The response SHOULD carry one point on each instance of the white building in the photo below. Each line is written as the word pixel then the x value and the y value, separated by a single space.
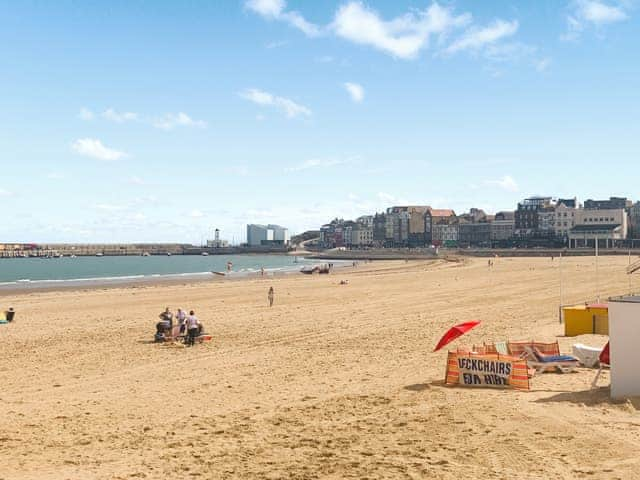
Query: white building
pixel 280 234
pixel 564 217
pixel 264 235
pixel 609 227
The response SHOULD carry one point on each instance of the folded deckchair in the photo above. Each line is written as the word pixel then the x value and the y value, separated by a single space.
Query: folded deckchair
pixel 501 348
pixel 604 362
pixel 562 363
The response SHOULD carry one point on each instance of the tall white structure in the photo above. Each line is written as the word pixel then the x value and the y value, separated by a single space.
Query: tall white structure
pixel 624 336
pixel 280 234
pixel 264 235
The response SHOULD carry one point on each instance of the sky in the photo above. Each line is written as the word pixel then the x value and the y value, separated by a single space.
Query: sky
pixel 158 121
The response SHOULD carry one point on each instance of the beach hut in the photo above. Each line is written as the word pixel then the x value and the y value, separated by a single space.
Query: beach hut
pixel 624 345
pixel 586 318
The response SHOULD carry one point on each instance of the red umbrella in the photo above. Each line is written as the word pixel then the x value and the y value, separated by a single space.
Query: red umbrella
pixel 455 332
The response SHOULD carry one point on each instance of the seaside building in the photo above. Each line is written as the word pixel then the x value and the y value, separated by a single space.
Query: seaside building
pixel 216 242
pixel 613 203
pixel 416 236
pixel 361 235
pixel 564 217
pixel 474 228
pixel 266 235
pixel 634 221
pixel 445 233
pixel 379 229
pixel 435 216
pixel 366 220
pixel 606 226
pixel 398 222
pixel 502 228
pixel 527 219
pixel 474 234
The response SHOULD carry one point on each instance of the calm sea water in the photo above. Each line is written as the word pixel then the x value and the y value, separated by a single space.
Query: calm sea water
pixel 30 271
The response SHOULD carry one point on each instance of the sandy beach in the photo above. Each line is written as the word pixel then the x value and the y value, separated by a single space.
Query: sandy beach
pixel 335 381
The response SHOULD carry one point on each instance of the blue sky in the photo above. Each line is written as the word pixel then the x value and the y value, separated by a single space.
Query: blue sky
pixel 160 120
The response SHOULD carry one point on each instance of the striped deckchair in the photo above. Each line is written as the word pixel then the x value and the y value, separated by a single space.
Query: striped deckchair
pixel 542 363
pixel 517 349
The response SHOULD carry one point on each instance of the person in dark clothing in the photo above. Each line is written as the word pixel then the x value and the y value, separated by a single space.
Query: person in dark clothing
pixel 9 314
pixel 192 328
pixel 167 318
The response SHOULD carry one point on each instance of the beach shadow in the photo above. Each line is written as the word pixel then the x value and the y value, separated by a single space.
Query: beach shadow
pixel 592 397
pixel 146 342
pixel 417 387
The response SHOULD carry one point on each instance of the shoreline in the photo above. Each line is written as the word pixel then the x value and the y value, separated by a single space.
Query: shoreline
pixel 90 284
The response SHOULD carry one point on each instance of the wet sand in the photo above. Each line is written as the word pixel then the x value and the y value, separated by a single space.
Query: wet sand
pixel 335 381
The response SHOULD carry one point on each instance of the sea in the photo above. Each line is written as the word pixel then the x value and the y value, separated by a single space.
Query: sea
pixel 36 273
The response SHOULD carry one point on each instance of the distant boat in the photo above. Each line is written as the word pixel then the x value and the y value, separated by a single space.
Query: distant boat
pixel 146 254
pixel 99 254
pixel 168 254
pixel 73 256
pixel 204 254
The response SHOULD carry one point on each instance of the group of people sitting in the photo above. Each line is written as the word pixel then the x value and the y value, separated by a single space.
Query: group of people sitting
pixel 186 327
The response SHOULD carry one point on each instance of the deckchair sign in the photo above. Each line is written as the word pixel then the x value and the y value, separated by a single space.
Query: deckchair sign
pixel 487 370
pixel 484 373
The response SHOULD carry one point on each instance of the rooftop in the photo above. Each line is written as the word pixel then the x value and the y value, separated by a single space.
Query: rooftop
pixel 626 299
pixel 604 227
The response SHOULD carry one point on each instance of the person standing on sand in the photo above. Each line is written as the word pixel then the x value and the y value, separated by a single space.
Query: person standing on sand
pixel 193 327
pixel 181 316
pixel 270 296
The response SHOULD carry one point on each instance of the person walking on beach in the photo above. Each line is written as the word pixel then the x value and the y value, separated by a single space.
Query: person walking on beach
pixel 193 327
pixel 270 296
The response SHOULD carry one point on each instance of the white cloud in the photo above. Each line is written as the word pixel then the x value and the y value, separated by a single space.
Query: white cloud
pixel 119 117
pixel 389 200
pixel 594 13
pixel 196 214
pixel 275 10
pixel 325 59
pixel 276 44
pixel 542 64
pixel 355 91
pixel 86 114
pixel 134 180
pixel 172 120
pixel 599 12
pixel 266 8
pixel 403 36
pixel 288 106
pixel 55 176
pixel 91 147
pixel 5 193
pixel 108 207
pixel 475 39
pixel 239 170
pixel 505 183
pixel 317 163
